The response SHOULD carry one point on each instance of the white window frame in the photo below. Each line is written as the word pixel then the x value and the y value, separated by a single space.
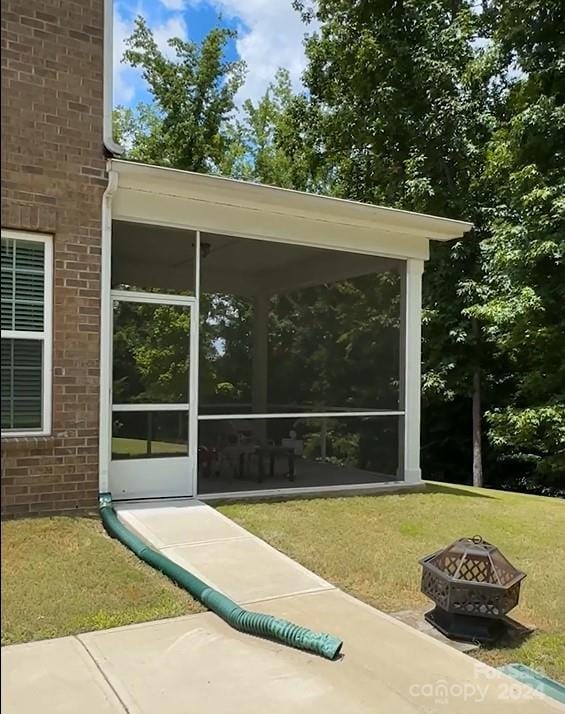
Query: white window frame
pixel 45 336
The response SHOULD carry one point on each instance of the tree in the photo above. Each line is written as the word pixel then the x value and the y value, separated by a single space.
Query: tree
pixel 400 110
pixel 193 100
pixel 259 150
pixel 524 276
pixel 139 132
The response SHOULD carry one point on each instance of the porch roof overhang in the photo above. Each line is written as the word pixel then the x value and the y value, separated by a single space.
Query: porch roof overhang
pixel 186 200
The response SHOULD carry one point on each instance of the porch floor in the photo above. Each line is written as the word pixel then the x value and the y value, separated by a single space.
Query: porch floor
pixel 308 474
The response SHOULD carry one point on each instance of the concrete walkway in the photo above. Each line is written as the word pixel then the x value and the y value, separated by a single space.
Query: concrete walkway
pixel 219 551
pixel 197 663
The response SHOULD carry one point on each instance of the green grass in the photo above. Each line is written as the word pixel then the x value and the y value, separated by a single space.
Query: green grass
pixel 370 546
pixel 61 576
pixel 121 446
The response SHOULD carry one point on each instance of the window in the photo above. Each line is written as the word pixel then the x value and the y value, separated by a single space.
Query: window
pixel 26 333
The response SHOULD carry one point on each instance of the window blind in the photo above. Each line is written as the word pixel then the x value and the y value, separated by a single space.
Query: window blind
pixel 23 297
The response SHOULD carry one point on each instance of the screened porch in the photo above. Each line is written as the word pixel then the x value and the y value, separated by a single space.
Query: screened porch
pixel 271 362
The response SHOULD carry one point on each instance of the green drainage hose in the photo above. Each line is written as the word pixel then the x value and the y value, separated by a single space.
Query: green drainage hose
pixel 253 623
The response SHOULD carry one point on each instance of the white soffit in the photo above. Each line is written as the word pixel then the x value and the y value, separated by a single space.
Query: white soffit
pixel 167 196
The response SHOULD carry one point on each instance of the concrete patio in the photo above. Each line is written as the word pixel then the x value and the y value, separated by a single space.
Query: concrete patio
pixel 198 663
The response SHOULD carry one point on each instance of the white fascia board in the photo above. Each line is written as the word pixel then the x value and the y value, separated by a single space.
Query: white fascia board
pixel 216 191
pixel 260 223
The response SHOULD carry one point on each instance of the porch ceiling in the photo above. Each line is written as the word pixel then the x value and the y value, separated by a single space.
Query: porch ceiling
pixel 164 257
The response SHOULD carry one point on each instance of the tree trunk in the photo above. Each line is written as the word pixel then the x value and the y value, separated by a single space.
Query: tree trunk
pixel 477 438
pixel 477 441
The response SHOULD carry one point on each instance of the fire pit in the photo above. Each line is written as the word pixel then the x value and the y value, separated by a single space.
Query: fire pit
pixel 473 586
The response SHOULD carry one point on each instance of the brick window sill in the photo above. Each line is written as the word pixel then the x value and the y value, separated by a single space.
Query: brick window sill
pixel 23 443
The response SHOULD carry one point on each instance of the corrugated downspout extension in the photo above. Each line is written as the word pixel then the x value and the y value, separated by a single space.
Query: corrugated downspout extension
pixel 253 623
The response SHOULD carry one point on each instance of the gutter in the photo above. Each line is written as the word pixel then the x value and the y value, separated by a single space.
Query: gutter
pixel 108 83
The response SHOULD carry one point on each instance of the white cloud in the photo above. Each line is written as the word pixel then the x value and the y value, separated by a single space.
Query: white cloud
pixel 272 37
pixel 173 4
pixel 124 76
pixel 177 5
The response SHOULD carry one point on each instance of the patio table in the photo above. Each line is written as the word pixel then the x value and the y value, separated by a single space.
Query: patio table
pixel 260 452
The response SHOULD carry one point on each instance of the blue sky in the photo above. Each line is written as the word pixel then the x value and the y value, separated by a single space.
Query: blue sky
pixel 270 35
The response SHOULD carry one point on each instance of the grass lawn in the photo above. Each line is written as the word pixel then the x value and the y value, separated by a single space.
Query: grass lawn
pixel 369 546
pixel 121 445
pixel 62 575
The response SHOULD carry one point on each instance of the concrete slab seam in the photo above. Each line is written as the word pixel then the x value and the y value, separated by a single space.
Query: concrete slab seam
pixel 103 674
pixel 207 541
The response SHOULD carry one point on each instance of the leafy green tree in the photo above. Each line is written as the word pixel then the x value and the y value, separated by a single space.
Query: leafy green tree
pixel 400 109
pixel 259 150
pixel 150 353
pixel 524 277
pixel 193 99
pixel 260 159
pixel 139 132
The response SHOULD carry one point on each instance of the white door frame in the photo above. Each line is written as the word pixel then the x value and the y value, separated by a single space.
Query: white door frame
pixel 145 472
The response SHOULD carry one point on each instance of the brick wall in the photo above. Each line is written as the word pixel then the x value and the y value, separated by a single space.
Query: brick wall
pixel 53 180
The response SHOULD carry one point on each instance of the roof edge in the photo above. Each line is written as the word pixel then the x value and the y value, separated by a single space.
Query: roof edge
pixel 161 179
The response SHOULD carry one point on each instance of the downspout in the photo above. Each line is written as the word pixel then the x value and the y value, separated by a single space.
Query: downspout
pixel 107 128
pixel 105 421
pixel 253 623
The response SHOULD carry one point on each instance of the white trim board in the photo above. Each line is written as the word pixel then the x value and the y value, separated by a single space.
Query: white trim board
pixel 151 407
pixel 153 298
pixel 189 213
pixel 298 415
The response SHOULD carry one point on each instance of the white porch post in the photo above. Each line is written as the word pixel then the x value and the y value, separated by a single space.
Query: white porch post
pixel 412 335
pixel 260 358
pixel 194 369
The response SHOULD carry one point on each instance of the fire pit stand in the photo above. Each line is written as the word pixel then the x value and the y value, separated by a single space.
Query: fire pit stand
pixel 474 586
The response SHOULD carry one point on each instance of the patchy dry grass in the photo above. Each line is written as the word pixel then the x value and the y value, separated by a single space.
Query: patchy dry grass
pixel 370 546
pixel 61 576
